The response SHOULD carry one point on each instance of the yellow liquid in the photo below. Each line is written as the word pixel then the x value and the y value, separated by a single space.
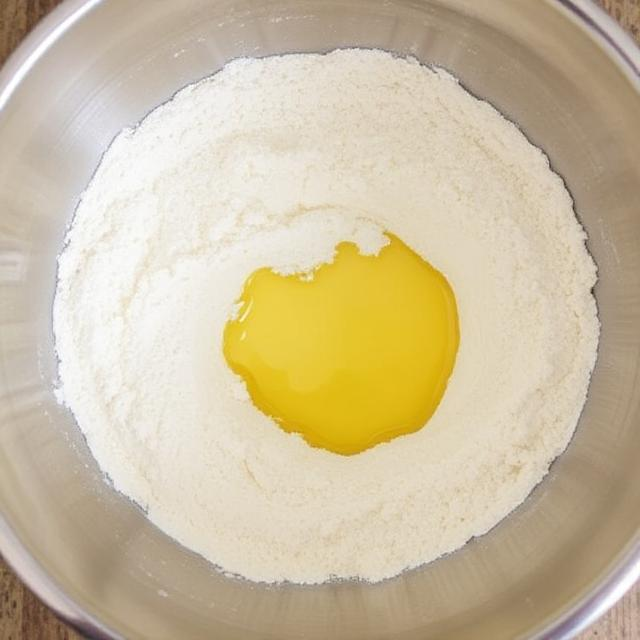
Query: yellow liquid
pixel 357 355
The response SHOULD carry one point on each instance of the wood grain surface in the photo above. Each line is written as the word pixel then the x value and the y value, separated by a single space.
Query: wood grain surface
pixel 22 616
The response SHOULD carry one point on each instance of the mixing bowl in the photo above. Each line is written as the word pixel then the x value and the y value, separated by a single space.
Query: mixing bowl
pixel 560 69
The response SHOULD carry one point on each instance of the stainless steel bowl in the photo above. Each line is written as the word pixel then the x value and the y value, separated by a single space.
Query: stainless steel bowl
pixel 560 69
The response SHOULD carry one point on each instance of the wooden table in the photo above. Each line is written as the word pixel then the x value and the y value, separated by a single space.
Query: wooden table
pixel 22 616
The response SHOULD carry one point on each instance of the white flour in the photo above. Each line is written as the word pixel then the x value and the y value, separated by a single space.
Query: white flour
pixel 272 162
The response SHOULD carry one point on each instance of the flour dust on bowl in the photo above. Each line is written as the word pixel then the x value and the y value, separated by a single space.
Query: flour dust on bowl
pixel 562 71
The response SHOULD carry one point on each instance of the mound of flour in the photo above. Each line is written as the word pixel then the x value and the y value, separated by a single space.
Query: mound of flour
pixel 273 162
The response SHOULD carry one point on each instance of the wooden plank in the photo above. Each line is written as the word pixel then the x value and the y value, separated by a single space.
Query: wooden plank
pixel 17 18
pixel 22 616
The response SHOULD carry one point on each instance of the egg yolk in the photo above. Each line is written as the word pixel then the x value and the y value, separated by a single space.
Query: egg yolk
pixel 353 354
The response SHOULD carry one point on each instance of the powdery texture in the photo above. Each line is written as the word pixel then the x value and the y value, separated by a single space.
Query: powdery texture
pixel 272 162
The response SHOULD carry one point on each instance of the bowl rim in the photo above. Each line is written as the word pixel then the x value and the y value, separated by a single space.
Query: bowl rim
pixel 622 572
